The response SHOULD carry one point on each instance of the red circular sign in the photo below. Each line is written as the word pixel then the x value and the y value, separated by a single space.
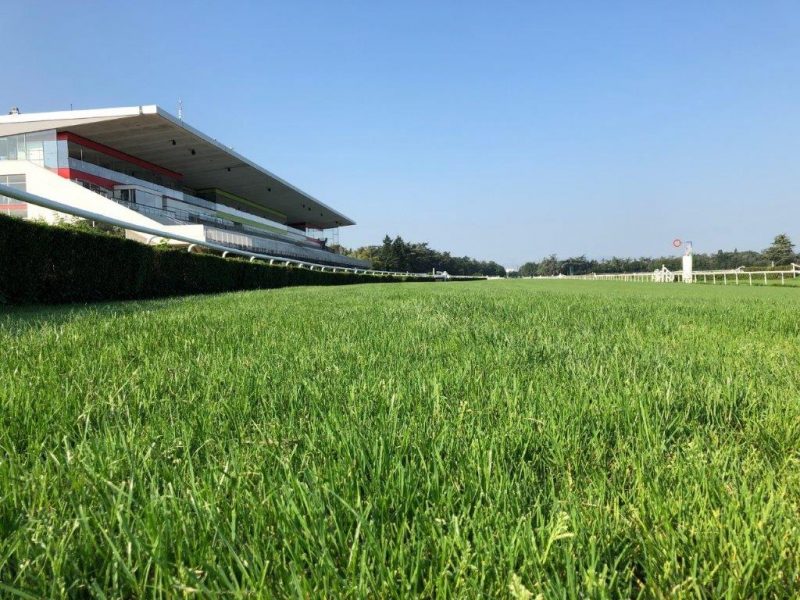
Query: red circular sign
pixel 677 243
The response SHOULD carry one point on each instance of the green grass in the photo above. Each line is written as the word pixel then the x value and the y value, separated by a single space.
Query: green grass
pixel 569 439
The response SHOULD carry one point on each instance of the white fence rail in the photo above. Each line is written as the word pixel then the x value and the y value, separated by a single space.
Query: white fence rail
pixel 734 276
pixel 721 276
pixel 225 250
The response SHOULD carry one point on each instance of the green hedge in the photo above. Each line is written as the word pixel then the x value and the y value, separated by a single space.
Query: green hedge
pixel 45 264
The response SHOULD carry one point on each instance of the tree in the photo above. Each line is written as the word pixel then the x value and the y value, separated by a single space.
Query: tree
pixel 387 260
pixel 576 265
pixel 529 269
pixel 549 266
pixel 398 255
pixel 782 250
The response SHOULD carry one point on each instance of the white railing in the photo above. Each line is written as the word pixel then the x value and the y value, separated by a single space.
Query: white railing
pixel 157 232
pixel 602 277
pixel 736 276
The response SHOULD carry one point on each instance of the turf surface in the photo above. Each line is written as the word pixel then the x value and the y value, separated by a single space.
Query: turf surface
pixel 568 439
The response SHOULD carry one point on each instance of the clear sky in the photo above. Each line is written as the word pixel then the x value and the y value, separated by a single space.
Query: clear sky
pixel 502 130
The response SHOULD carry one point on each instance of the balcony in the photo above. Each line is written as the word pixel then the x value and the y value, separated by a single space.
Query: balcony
pixel 245 238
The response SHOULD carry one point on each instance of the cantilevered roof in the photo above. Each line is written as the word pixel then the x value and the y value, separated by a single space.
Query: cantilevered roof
pixel 152 134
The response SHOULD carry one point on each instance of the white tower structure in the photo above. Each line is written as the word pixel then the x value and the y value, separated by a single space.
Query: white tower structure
pixel 687 264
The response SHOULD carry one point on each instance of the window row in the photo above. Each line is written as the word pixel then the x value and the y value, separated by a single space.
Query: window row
pixel 38 147
pixel 12 206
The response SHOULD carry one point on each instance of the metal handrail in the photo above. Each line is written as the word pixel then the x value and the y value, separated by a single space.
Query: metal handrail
pixel 182 217
pixel 226 250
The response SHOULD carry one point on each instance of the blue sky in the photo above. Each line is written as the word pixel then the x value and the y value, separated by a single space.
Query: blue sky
pixel 502 130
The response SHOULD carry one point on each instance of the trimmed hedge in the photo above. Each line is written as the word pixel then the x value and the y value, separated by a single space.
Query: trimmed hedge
pixel 45 264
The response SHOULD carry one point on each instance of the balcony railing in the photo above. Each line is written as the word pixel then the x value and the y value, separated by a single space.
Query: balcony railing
pixel 242 236
pixel 282 248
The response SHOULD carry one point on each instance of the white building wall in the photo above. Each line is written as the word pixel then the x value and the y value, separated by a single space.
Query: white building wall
pixel 158 196
pixel 43 182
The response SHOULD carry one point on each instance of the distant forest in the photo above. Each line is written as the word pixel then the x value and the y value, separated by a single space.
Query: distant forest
pixel 417 257
pixel 399 255
pixel 780 253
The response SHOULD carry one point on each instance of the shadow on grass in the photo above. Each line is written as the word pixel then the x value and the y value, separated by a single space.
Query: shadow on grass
pixel 17 318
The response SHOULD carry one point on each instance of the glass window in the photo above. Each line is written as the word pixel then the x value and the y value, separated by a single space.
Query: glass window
pixel 12 147
pixel 12 206
pixel 36 153
pixel 20 146
pixel 41 136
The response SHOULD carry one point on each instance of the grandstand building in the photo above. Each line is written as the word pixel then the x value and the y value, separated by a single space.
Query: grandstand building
pixel 144 166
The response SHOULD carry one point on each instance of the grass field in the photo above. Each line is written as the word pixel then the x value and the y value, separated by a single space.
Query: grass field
pixel 569 439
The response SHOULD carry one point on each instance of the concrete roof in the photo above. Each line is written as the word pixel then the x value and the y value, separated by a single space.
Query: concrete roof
pixel 147 132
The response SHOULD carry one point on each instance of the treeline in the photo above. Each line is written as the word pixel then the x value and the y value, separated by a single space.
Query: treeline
pixel 781 252
pixel 398 255
pixel 417 257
